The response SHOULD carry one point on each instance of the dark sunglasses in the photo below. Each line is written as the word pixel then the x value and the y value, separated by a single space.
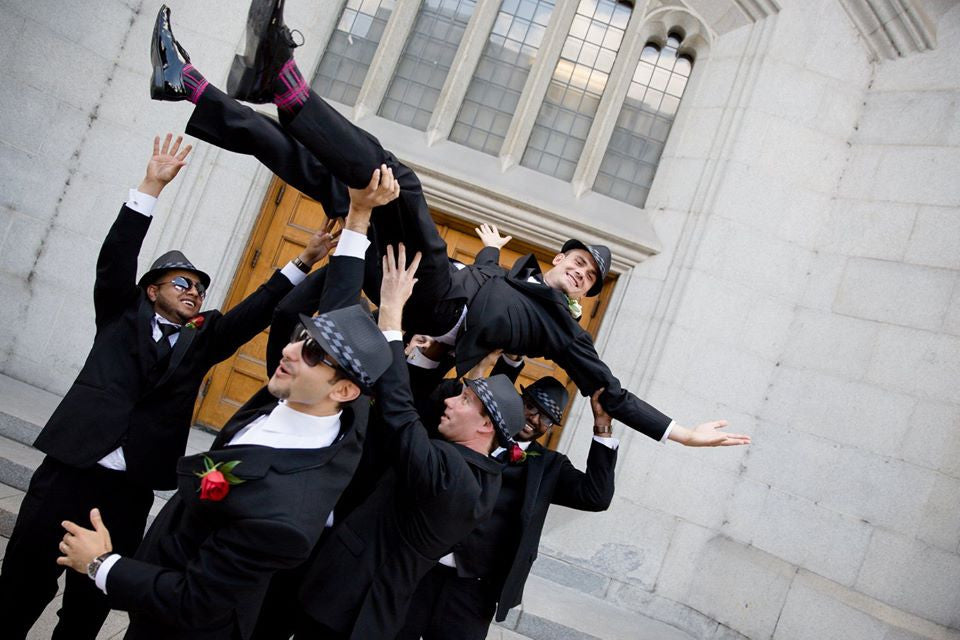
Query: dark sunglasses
pixel 182 283
pixel 545 420
pixel 312 353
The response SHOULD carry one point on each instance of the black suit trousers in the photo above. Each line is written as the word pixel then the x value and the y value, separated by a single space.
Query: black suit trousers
pixel 321 153
pixel 28 581
pixel 448 607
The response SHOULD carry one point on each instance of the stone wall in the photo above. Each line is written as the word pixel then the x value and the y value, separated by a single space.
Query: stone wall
pixel 808 293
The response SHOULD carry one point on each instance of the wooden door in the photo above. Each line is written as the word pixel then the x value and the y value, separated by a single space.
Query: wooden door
pixel 286 221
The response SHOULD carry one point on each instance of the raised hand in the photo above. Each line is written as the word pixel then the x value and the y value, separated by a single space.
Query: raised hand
pixel 164 165
pixel 707 434
pixel 490 236
pixel 321 243
pixel 81 546
pixel 602 422
pixel 396 287
pixel 381 189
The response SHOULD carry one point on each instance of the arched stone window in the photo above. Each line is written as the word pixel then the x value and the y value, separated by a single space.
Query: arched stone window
pixel 347 56
pixel 425 61
pixel 578 81
pixel 630 162
pixel 501 73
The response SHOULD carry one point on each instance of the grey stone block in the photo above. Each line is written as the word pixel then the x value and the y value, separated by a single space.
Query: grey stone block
pixel 936 238
pixel 812 615
pixel 912 576
pixel 919 362
pixel 901 294
pixel 538 628
pixel 570 575
pixel 750 604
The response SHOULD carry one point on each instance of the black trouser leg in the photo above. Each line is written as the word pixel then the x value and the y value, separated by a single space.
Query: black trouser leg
pixel 351 154
pixel 28 581
pixel 228 124
pixel 448 607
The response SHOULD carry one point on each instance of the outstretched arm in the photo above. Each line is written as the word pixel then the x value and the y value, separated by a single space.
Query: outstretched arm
pixel 589 372
pixel 235 561
pixel 116 283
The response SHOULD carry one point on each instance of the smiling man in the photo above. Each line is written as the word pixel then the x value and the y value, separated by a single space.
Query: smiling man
pixel 481 308
pixel 283 460
pixel 486 571
pixel 117 433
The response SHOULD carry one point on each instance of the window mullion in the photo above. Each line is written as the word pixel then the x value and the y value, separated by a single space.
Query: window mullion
pixel 461 71
pixel 528 107
pixel 613 96
pixel 386 58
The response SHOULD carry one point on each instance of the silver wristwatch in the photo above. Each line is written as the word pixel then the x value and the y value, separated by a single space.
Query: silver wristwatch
pixel 94 565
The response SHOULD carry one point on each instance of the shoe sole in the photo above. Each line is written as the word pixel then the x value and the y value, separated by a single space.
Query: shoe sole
pixel 242 80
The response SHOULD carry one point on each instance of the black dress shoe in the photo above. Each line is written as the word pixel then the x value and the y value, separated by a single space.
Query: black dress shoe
pixel 269 45
pixel 168 59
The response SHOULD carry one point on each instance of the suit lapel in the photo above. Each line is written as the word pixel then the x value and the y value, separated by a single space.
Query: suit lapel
pixel 187 334
pixel 239 420
pixel 146 345
pixel 535 467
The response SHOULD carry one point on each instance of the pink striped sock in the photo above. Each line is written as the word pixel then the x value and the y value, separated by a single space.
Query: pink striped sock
pixel 290 89
pixel 195 83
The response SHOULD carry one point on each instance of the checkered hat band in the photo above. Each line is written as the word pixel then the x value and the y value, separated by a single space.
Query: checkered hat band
pixel 342 351
pixel 177 265
pixel 600 263
pixel 482 389
pixel 545 401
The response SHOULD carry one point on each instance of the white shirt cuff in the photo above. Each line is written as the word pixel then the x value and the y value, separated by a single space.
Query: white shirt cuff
pixel 610 443
pixel 393 335
pixel 293 273
pixel 105 566
pixel 141 202
pixel 512 362
pixel 352 244
pixel 417 359
pixel 666 434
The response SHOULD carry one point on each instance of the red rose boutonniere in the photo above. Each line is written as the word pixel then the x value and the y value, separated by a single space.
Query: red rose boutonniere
pixel 216 479
pixel 195 322
pixel 517 455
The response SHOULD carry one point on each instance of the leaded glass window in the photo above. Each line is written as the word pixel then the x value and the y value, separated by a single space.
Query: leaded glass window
pixel 502 71
pixel 578 81
pixel 425 61
pixel 630 162
pixel 347 57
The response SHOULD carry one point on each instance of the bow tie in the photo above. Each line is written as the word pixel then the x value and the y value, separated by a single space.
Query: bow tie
pixel 167 330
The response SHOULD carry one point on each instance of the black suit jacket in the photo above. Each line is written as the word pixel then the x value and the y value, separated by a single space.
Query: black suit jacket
pixel 125 395
pixel 435 493
pixel 204 567
pixel 507 311
pixel 550 479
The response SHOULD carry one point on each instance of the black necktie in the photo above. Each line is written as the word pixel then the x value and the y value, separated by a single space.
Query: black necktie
pixel 163 344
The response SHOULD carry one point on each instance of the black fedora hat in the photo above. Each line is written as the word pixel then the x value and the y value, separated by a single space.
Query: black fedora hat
pixel 172 260
pixel 351 337
pixel 601 256
pixel 503 405
pixel 549 396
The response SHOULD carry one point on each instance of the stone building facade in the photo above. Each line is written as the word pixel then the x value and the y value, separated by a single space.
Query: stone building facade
pixel 787 257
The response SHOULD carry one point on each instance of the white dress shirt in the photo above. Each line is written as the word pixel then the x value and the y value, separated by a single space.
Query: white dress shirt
pixel 282 428
pixel 144 204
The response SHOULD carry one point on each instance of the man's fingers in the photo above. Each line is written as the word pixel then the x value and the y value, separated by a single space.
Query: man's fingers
pixel 63 561
pixel 374 180
pixel 71 527
pixel 414 263
pixel 401 257
pixel 720 424
pixel 96 520
pixel 166 143
pixel 507 239
pixel 186 151
pixel 156 145
pixel 176 145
